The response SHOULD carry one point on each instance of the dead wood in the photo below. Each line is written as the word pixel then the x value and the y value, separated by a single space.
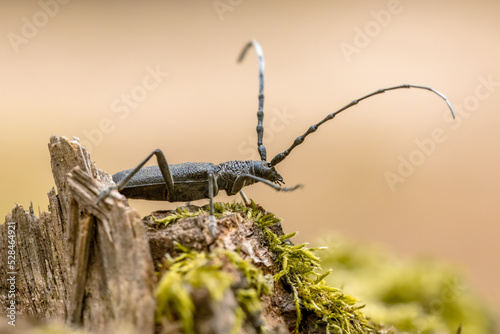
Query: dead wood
pixel 84 264
pixel 236 233
pixel 93 266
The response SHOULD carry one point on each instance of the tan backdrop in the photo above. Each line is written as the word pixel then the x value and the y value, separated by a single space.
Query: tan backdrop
pixel 129 77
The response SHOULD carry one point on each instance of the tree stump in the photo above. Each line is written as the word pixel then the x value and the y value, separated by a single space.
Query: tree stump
pixel 80 263
pixel 98 266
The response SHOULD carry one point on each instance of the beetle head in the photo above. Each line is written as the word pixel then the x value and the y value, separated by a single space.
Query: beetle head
pixel 267 171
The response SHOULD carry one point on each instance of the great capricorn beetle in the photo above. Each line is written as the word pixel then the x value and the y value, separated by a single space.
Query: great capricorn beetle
pixel 197 180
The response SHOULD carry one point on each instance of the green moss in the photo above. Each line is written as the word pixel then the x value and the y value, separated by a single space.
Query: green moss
pixel 415 296
pixel 179 213
pixel 299 268
pixel 192 270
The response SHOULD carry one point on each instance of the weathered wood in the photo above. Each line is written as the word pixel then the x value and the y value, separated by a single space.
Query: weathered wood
pixel 93 266
pixel 81 263
pixel 120 276
pixel 236 233
pixel 40 272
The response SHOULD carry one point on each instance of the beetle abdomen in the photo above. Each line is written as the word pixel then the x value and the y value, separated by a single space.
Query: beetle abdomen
pixel 190 182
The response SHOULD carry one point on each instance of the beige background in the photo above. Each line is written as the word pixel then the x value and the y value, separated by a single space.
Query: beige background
pixel 65 77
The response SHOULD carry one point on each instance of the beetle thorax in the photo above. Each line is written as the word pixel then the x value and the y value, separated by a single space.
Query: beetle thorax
pixel 227 172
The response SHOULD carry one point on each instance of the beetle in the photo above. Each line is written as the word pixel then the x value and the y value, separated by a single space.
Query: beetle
pixel 199 180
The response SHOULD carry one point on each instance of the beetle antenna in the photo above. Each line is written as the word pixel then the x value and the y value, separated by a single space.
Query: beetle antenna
pixel 281 156
pixel 260 113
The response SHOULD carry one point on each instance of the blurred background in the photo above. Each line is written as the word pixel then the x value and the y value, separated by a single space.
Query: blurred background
pixel 129 77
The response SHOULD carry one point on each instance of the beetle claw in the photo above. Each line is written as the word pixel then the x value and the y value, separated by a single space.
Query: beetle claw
pixel 212 226
pixel 105 193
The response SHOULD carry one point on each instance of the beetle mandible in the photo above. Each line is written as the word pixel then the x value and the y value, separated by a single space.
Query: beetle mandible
pixel 198 180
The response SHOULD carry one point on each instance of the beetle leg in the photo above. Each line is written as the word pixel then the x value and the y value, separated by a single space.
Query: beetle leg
pixel 212 225
pixel 164 169
pixel 245 198
pixel 269 183
pixel 240 182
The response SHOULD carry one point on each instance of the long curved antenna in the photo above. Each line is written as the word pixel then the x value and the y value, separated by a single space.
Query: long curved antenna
pixel 260 113
pixel 281 156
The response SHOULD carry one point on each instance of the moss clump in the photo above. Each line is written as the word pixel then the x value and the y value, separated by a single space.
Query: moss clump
pixel 179 213
pixel 192 270
pixel 300 271
pixel 415 296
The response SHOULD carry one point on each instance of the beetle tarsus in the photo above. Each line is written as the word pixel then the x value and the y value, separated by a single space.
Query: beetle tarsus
pixel 212 226
pixel 105 193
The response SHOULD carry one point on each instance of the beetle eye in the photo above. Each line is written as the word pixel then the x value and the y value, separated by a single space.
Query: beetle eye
pixel 269 165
